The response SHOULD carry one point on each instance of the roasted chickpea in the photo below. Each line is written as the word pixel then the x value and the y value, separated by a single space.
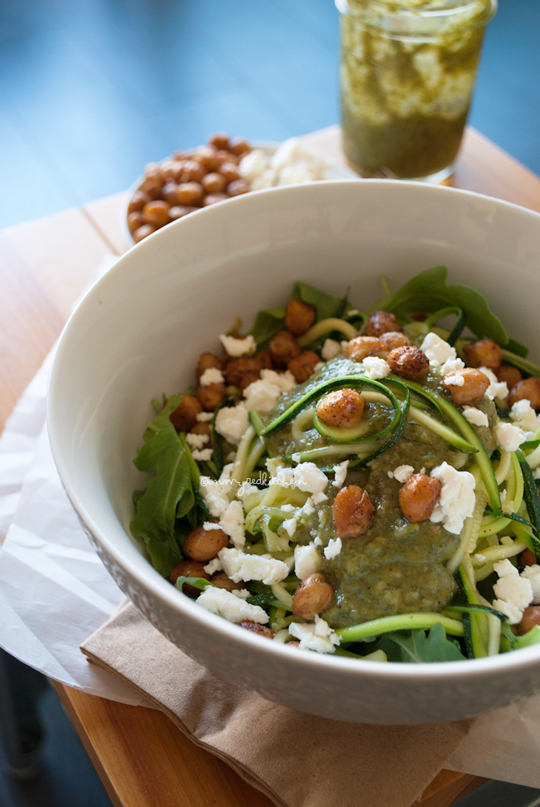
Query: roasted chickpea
pixel 239 146
pixel 220 140
pixel 170 192
pixel 408 362
pixel 156 213
pixel 153 171
pixel 208 361
pixel 527 558
pixel 342 408
pixel 284 347
pixel 475 384
pixel 135 220
pixel 303 366
pixel 168 169
pixel 207 157
pixel 237 187
pixel 189 193
pixel 380 322
pixel 393 339
pixel 184 416
pixel 418 497
pixel 510 375
pixel 152 186
pixel 143 232
pixel 254 627
pixel 203 428
pixel 192 171
pixel 214 183
pixel 179 211
pixel 312 596
pixel 237 369
pixel 138 201
pixel 214 198
pixel 178 171
pixel 361 346
pixel 189 568
pixel 229 172
pixel 353 512
pixel 484 353
pixel 211 396
pixel 222 581
pixel 299 317
pixel 204 544
pixel 528 389
pixel 264 360
pixel 180 155
pixel 530 618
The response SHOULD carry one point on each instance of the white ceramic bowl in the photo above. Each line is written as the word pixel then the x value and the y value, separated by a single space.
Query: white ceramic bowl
pixel 139 332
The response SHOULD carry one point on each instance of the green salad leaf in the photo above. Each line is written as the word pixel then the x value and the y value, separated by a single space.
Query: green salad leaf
pixel 169 492
pixel 416 647
pixel 428 291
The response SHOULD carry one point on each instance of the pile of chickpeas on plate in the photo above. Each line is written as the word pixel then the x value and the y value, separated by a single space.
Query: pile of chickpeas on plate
pixel 187 182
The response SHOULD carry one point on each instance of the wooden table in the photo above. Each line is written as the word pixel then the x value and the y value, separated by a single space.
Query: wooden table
pixel 142 759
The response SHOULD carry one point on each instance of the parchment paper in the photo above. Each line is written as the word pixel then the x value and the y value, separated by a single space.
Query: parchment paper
pixel 54 592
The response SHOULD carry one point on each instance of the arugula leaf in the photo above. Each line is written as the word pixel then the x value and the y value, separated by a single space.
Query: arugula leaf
pixel 196 582
pixel 162 419
pixel 414 647
pixel 428 291
pixel 169 489
pixel 267 324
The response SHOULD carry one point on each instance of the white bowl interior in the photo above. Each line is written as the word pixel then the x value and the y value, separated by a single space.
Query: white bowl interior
pixel 140 329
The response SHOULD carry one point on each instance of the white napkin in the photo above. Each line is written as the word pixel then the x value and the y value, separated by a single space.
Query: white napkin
pixel 55 592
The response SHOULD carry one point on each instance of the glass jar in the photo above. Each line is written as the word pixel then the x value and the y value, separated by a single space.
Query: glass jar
pixel 408 69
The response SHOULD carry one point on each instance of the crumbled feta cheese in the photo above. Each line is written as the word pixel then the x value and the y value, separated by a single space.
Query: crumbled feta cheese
pixel 480 558
pixel 402 473
pixel 241 566
pixel 202 456
pixel 317 635
pixel 333 549
pixel 232 422
pixel 290 164
pixel 283 381
pixel 456 501
pixel 330 349
pixel 226 472
pixel 204 417
pixel 290 525
pixel 309 507
pixel 340 472
pixel 451 365
pixel 232 523
pixel 306 561
pixel 309 478
pixel 496 389
pixel 245 490
pixel 197 440
pixel 213 566
pixel 215 495
pixel 437 350
pixel 515 590
pixel 532 574
pixel 509 609
pixel 454 380
pixel 509 437
pixel 475 416
pixel 238 347
pixel 504 568
pixel 375 368
pixel 288 508
pixel 284 477
pixel 261 396
pixel 524 415
pixel 253 165
pixel 223 603
pixel 211 376
pixel 243 593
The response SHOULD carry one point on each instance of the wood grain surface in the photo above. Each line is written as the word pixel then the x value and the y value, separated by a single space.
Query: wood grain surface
pixel 141 757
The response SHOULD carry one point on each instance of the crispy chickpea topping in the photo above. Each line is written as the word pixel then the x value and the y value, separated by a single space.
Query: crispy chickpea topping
pixel 510 375
pixel 312 596
pixel 184 416
pixel 418 497
pixel 342 408
pixel 303 366
pixel 240 372
pixel 528 389
pixel 254 627
pixel 353 512
pixel 204 544
pixel 471 391
pixel 408 362
pixel 392 339
pixel 527 558
pixel 484 353
pixel 530 618
pixel 208 361
pixel 299 317
pixel 361 346
pixel 211 396
pixel 284 347
pixel 380 322
pixel 222 581
pixel 189 568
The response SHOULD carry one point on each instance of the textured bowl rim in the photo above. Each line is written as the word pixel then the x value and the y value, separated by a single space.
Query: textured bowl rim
pixel 149 579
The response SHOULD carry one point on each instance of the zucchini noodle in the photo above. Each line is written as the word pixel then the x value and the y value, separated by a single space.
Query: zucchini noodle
pixel 301 423
pixel 469 533
pixel 327 326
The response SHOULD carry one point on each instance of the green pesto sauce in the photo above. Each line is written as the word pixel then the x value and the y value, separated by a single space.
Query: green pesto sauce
pixel 396 567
